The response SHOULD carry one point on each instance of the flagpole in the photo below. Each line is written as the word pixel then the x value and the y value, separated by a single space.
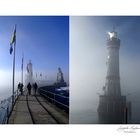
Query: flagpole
pixel 22 68
pixel 14 70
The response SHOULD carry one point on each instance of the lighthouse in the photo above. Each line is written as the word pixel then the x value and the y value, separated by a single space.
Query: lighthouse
pixel 29 75
pixel 112 85
pixel 60 79
pixel 112 105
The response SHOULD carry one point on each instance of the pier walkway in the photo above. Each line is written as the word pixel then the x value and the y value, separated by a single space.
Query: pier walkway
pixel 36 110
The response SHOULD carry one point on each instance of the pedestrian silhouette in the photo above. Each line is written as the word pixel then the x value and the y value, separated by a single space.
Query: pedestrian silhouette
pixel 35 87
pixel 29 88
pixel 18 87
pixel 21 88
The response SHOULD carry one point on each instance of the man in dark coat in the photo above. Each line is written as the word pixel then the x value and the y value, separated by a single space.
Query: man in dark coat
pixel 35 87
pixel 29 87
pixel 21 88
pixel 18 87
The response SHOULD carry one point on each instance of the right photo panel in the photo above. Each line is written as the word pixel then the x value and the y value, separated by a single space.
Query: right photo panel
pixel 104 70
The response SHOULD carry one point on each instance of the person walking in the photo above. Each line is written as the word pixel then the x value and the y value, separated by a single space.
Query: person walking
pixel 18 88
pixel 35 87
pixel 21 88
pixel 29 87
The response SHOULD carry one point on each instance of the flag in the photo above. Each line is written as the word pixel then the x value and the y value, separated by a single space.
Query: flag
pixel 13 41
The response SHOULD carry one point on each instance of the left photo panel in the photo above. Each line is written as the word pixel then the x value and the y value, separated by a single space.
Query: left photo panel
pixel 34 70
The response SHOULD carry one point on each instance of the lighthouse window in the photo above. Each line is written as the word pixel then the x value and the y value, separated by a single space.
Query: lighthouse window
pixel 108 57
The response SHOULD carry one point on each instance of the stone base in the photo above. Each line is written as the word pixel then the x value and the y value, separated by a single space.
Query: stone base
pixel 111 109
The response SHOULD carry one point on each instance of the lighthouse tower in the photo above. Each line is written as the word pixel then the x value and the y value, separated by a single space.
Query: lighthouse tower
pixel 112 86
pixel 29 76
pixel 112 104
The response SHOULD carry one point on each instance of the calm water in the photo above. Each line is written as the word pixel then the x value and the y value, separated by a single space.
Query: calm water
pixel 78 117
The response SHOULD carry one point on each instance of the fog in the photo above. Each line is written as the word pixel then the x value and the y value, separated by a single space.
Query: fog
pixel 88 55
pixel 47 78
pixel 6 83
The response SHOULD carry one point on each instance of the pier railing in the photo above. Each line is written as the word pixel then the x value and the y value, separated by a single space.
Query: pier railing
pixel 59 100
pixel 6 106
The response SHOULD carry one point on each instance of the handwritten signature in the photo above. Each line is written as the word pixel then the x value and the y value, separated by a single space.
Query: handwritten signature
pixel 128 129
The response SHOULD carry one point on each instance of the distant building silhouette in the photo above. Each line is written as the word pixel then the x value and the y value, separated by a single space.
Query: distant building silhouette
pixel 29 76
pixel 60 79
